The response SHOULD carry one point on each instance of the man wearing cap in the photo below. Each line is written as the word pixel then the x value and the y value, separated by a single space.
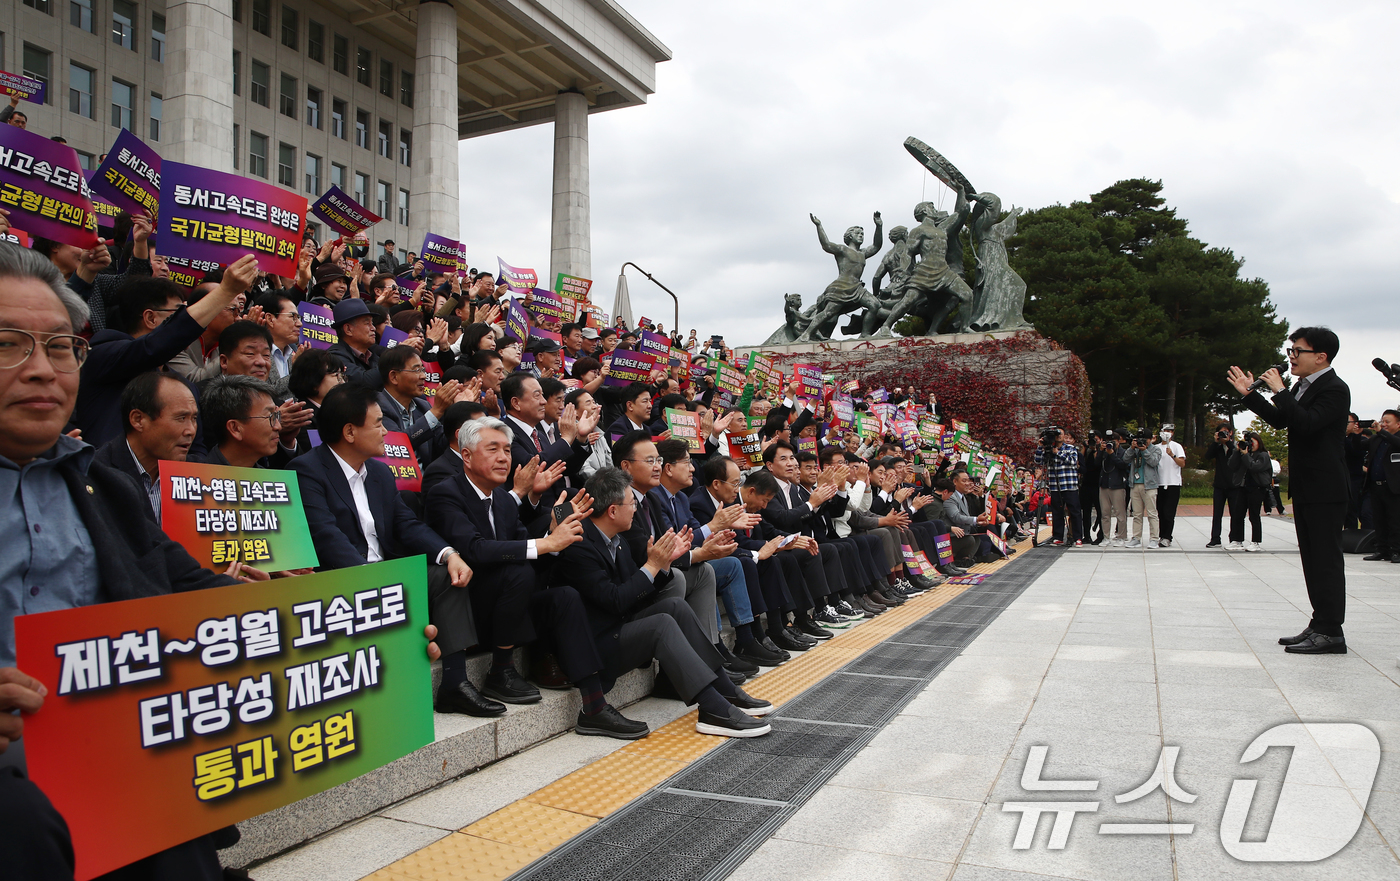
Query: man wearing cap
pixel 387 262
pixel 590 341
pixel 1169 483
pixel 330 283
pixel 546 352
pixel 356 348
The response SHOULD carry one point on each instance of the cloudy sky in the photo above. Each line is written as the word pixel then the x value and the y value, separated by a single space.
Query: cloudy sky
pixel 1272 126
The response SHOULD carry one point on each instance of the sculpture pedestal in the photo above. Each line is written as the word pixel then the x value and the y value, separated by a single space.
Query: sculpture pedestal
pixel 856 344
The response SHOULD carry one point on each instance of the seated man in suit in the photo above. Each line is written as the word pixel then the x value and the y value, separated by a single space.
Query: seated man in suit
pixel 524 403
pixel 160 414
pixel 631 627
pixel 891 496
pixel 962 521
pixel 449 464
pixel 636 412
pixel 356 517
pixel 857 521
pixel 407 410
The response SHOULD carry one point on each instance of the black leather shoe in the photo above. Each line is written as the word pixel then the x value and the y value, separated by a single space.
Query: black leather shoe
pixel 787 642
pixel 1395 558
pixel 733 662
pixel 735 676
pixel 736 724
pixel 767 642
pixel 869 606
pixel 749 704
pixel 546 672
pixel 755 653
pixel 1294 640
pixel 888 599
pixel 508 686
pixel 953 571
pixel 813 629
pixel 610 723
pixel 1319 644
pixel 801 637
pixel 465 699
pixel 1377 557
pixel 1214 543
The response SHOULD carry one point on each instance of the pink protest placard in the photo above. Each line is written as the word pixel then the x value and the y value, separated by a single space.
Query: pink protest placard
pixel 210 215
pixel 43 187
pixel 130 176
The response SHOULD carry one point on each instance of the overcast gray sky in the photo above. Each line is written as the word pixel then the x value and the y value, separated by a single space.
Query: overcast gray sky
pixel 1273 127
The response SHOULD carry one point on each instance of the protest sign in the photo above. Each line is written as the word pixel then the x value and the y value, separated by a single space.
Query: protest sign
pixel 169 717
pixel 520 281
pixel 685 425
pixel 187 273
pixel 399 456
pixel 27 88
pixel 571 287
pixel 130 176
pixel 549 311
pixel 210 215
pixel 342 214
pixel 222 514
pixel 15 237
pixel 746 450
pixel 316 326
pixel 432 375
pixel 729 381
pixel 869 425
pixel 391 336
pixel 843 410
pixel 622 368
pixel 805 444
pixel 930 429
pixel 809 378
pixel 880 395
pixel 517 324
pixel 43 188
pixel 657 345
pixel 105 211
pixel 908 433
pixel 441 254
pixel 944 545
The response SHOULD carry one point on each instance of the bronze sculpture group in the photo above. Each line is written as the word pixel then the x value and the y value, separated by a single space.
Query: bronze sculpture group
pixel 923 272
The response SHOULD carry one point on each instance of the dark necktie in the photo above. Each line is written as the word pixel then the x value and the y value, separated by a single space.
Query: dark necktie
pixel 676 511
pixel 651 520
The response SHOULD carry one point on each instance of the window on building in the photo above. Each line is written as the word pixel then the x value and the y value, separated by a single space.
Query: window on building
pixel 86 160
pixel 41 5
pixel 386 77
pixel 338 118
pixel 286 165
pixel 291 27
pixel 406 88
pixel 237 72
pixel 381 198
pixel 157 37
pixel 362 62
pixel 261 82
pixel 361 129
pixel 257 154
pixel 262 17
pixel 361 188
pixel 123 103
pixel 287 100
pixel 235 147
pixel 405 147
pixel 237 16
pixel 403 207
pixel 36 66
pixel 313 107
pixel 156 102
pixel 386 139
pixel 340 55
pixel 338 176
pixel 316 41
pixel 313 174
pixel 80 86
pixel 123 23
pixel 80 14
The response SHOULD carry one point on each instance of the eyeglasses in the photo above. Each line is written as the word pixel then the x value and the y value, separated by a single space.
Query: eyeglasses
pixel 420 370
pixel 736 483
pixel 296 316
pixel 65 352
pixel 649 460
pixel 274 418
pixel 1294 352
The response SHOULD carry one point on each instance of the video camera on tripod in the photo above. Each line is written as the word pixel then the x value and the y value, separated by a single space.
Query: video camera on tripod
pixel 1391 372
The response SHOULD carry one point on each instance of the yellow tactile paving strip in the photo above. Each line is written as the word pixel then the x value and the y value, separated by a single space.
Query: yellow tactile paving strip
pixel 502 843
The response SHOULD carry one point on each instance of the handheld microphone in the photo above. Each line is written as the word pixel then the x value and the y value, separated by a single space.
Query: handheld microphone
pixel 1259 385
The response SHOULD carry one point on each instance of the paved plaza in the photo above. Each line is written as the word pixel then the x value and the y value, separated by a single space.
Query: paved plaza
pixel 1094 666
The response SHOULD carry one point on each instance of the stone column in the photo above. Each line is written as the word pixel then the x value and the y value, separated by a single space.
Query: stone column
pixel 432 190
pixel 198 124
pixel 570 244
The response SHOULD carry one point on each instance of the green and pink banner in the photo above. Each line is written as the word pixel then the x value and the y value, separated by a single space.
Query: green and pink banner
pixel 27 88
pixel 169 717
pixel 129 178
pixel 210 215
pixel 43 188
pixel 222 514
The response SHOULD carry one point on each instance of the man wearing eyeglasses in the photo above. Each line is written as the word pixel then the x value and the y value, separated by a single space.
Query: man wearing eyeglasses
pixel 283 320
pixel 241 422
pixel 1315 414
pixel 407 410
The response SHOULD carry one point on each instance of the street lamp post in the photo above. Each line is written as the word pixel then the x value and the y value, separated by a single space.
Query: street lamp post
pixel 622 275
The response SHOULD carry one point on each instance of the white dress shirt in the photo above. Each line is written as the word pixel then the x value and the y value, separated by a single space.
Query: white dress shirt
pixel 356 479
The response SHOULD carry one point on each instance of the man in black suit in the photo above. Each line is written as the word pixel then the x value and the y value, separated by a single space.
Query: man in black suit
pixel 636 411
pixel 630 627
pixel 524 403
pixel 406 409
pixel 160 414
pixel 1382 472
pixel 1315 414
pixel 449 464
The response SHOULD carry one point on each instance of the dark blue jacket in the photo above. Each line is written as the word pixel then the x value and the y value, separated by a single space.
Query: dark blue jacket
pixel 428 440
pixel 455 511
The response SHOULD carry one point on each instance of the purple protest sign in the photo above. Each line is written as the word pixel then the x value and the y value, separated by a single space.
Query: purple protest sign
pixel 43 188
pixel 130 176
pixel 316 329
pixel 549 310
pixel 27 88
pixel 624 368
pixel 520 281
pixel 342 213
pixel 517 323
pixel 106 212
pixel 210 215
pixel 441 254
pixel 188 273
pixel 658 345
pixel 391 336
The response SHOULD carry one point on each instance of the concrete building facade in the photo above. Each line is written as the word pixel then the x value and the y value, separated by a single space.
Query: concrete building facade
pixel 368 95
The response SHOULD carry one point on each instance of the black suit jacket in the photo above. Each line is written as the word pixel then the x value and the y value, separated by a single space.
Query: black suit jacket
pixel 449 464
pixel 335 523
pixel 115 454
pixel 1317 427
pixel 458 514
pixel 428 440
pixel 522 450
pixel 1391 469
pixel 635 539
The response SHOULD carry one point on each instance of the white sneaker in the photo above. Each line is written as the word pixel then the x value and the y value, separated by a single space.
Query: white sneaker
pixel 1134 543
pixel 1116 543
pixel 1253 546
pixel 1235 546
pixel 1153 543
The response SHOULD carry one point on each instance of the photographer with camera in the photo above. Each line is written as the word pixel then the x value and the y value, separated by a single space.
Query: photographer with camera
pixel 1382 483
pixel 1143 457
pixel 1060 458
pixel 1219 450
pixel 1169 476
pixel 1252 472
pixel 1089 473
pixel 1112 461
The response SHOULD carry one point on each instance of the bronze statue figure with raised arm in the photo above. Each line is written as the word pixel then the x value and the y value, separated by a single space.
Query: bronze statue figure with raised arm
pixel 847 293
pixel 999 293
pixel 932 276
